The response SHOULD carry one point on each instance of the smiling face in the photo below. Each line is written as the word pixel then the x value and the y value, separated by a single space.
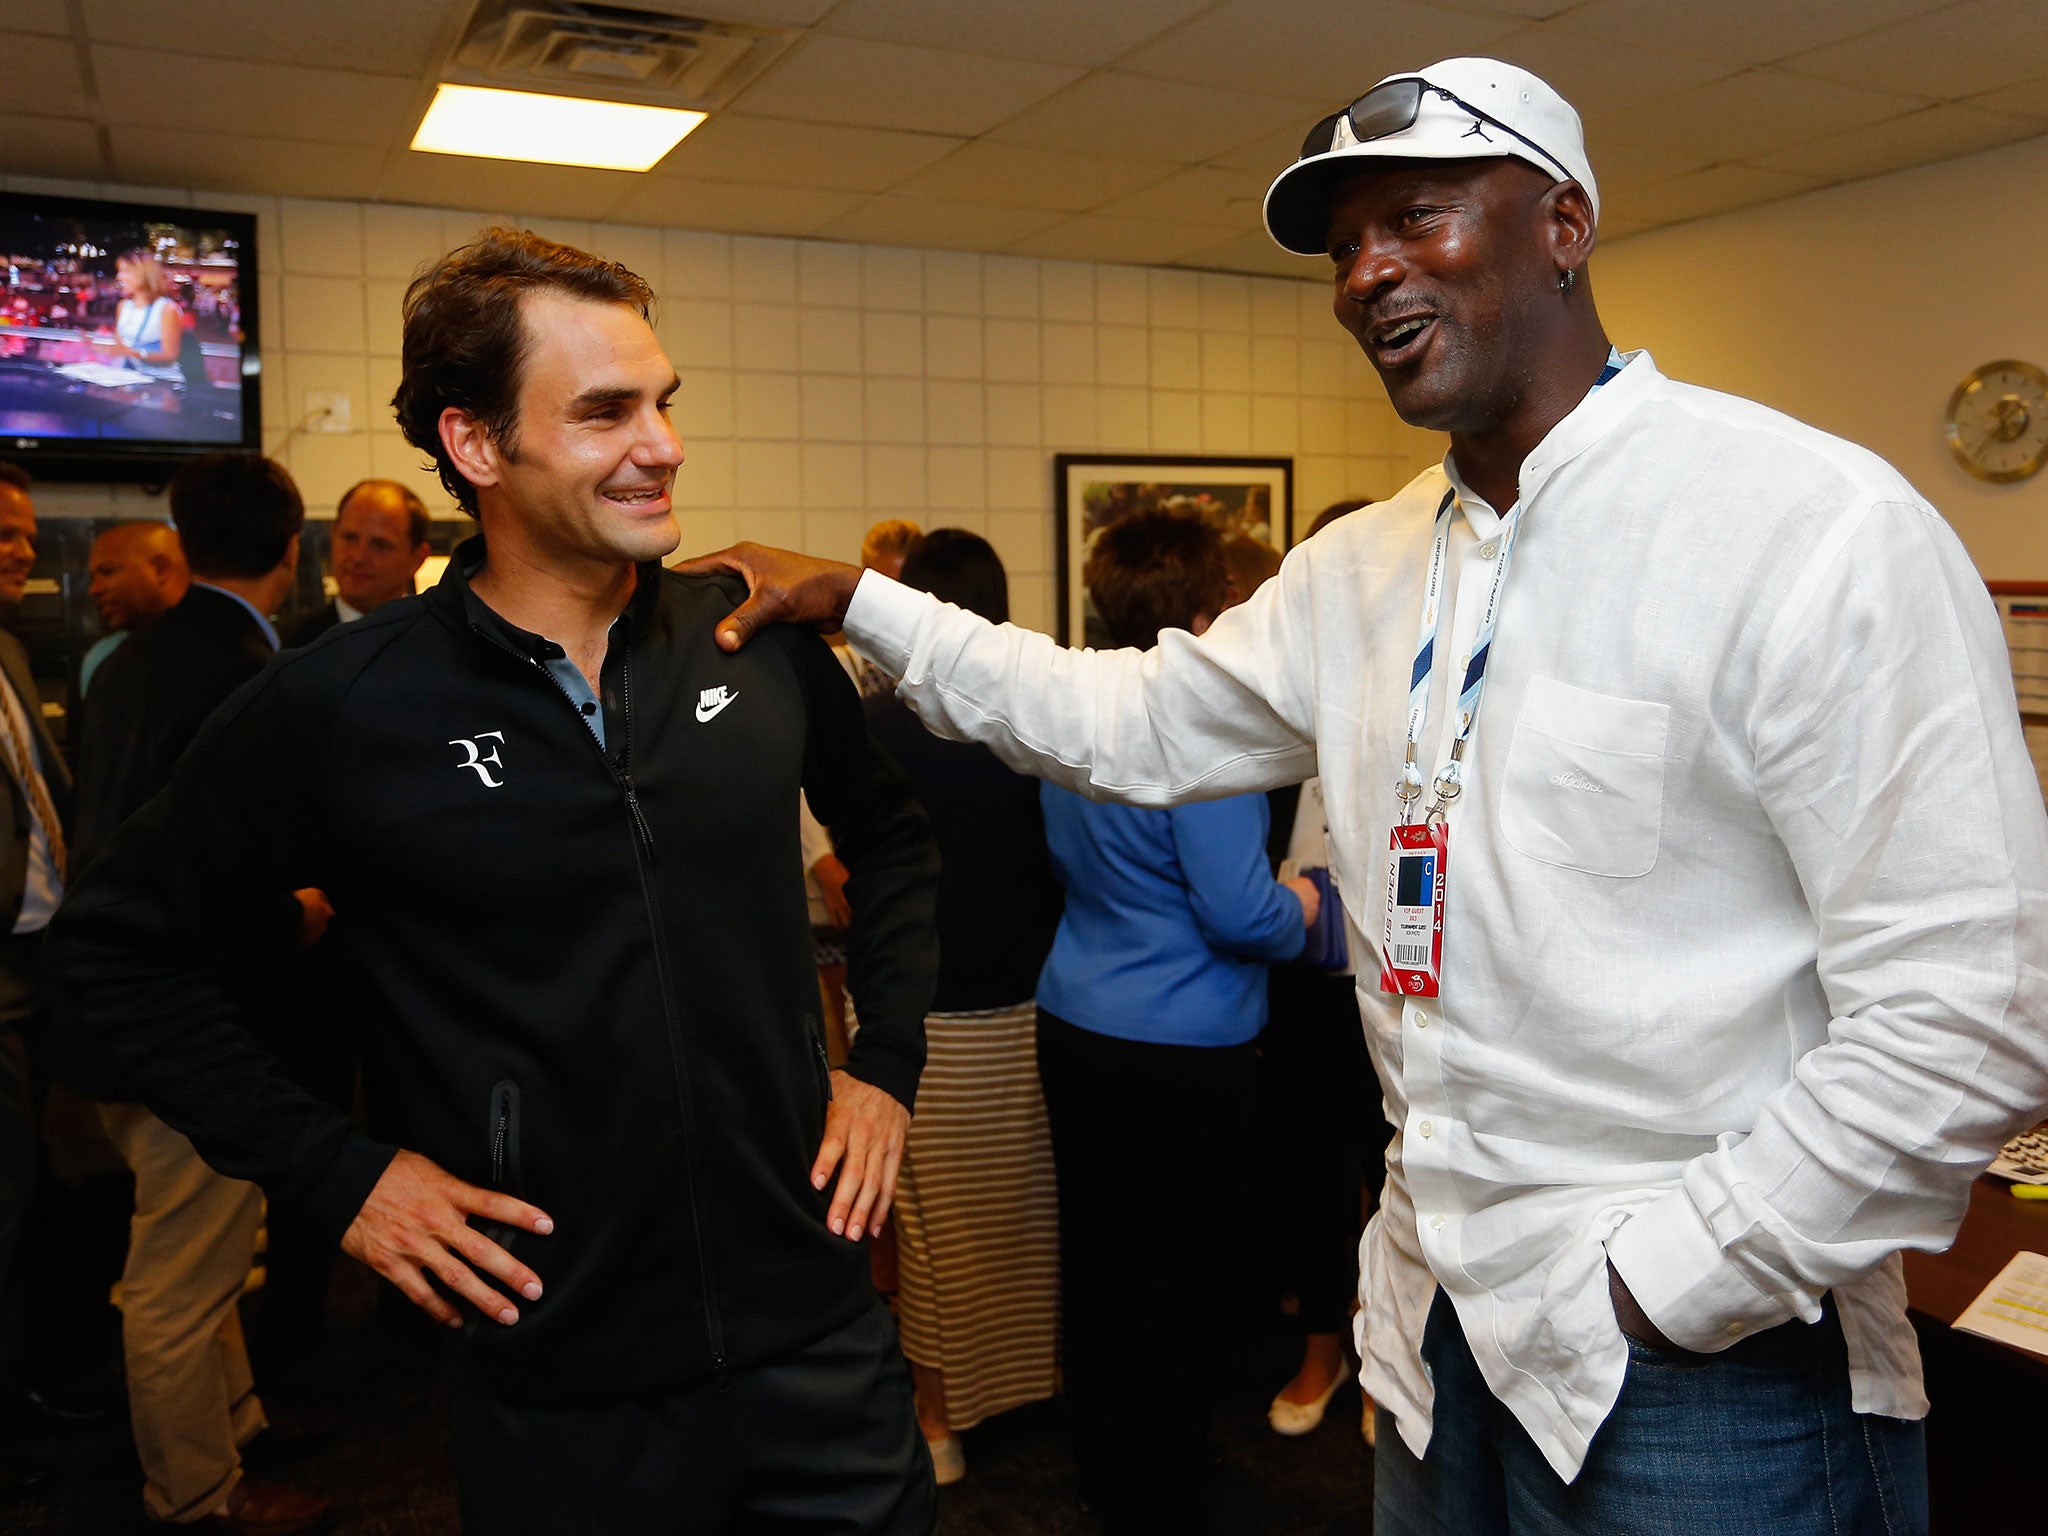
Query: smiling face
pixel 1447 276
pixel 589 469
pixel 17 543
pixel 374 556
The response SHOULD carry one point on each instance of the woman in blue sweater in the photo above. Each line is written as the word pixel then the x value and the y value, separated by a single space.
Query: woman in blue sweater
pixel 1148 1006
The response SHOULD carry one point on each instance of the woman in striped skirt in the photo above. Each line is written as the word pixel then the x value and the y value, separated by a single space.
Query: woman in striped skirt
pixel 977 1214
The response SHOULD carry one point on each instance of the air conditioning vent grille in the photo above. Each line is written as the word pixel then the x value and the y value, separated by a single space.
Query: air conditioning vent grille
pixel 613 52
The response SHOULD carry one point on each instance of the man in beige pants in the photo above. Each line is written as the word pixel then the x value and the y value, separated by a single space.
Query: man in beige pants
pixel 193 1236
pixel 190 1395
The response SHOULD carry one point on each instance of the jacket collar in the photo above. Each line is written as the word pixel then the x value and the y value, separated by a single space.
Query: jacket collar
pixel 456 600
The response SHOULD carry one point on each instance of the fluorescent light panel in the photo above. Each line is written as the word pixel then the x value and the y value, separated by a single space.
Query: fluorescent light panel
pixel 553 130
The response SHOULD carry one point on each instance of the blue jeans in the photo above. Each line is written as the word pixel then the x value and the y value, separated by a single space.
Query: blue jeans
pixel 1758 1440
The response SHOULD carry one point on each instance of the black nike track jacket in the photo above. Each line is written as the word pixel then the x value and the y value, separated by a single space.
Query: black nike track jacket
pixel 591 968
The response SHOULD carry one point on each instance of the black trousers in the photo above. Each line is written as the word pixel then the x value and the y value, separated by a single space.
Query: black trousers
pixel 824 1443
pixel 1328 1134
pixel 21 995
pixel 1152 1146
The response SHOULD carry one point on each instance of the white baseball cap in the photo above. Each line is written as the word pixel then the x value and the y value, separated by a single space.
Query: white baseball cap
pixel 1459 109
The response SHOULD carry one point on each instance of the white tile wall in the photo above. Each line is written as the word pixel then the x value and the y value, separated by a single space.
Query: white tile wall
pixel 827 385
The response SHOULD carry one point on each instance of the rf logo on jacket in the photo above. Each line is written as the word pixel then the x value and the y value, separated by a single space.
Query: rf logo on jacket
pixel 483 762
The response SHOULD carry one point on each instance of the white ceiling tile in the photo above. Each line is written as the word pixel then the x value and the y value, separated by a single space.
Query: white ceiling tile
pixel 1713 190
pixel 147 153
pixel 1255 253
pixel 1736 31
pixel 1272 154
pixel 46 16
pixel 1596 74
pixel 1534 10
pixel 42 76
pixel 1752 113
pixel 2028 99
pixel 759 210
pixel 1933 133
pixel 55 146
pixel 1333 48
pixel 1133 114
pixel 1093 238
pixel 891 220
pixel 1206 194
pixel 393 37
pixel 461 181
pixel 887 85
pixel 735 147
pixel 1084 32
pixel 1028 176
pixel 277 101
pixel 1962 50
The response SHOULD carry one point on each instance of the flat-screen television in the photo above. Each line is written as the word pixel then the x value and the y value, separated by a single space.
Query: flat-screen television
pixel 127 335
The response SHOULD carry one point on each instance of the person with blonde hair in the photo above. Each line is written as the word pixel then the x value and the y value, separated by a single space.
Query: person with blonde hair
pixel 885 546
pixel 148 327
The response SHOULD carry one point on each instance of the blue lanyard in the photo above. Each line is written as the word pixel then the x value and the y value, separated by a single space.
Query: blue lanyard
pixel 1449 782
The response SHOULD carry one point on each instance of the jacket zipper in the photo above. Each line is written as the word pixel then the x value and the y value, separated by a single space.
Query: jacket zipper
pixel 818 1054
pixel 643 838
pixel 501 1132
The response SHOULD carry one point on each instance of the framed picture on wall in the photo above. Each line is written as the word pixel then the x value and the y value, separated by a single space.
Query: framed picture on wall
pixel 1254 497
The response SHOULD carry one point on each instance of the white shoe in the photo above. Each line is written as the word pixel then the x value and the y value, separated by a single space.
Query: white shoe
pixel 949 1460
pixel 1369 1424
pixel 1289 1418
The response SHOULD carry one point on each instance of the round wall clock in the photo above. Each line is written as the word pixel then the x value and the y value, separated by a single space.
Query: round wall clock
pixel 1998 420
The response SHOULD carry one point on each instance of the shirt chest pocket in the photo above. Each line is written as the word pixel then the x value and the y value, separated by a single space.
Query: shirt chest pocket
pixel 1584 787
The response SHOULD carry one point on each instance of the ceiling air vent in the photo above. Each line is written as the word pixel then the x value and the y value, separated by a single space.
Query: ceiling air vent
pixel 650 55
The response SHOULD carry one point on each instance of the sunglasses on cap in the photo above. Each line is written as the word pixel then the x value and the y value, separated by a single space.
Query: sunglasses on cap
pixel 1392 107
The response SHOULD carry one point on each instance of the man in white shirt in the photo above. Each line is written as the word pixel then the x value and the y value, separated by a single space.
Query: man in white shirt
pixel 1744 928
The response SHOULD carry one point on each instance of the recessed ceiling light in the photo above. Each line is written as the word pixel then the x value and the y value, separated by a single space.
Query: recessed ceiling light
pixel 553 130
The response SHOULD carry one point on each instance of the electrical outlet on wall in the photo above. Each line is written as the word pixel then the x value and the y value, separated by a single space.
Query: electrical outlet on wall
pixel 329 411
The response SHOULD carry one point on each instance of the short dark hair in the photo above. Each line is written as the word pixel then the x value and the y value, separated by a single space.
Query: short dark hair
pixel 416 518
pixel 960 568
pixel 465 339
pixel 236 513
pixel 16 476
pixel 1154 569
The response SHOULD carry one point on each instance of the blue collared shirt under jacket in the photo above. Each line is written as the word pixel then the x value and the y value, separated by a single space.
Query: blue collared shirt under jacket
pixel 1172 917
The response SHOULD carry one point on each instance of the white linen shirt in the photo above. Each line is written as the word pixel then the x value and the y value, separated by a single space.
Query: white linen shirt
pixel 1746 929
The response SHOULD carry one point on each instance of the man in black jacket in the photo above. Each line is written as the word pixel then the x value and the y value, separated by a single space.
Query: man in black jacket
pixel 192 1237
pixel 561 825
pixel 33 819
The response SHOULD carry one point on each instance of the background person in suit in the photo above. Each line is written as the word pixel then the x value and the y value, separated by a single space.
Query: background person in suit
pixel 192 1399
pixel 32 863
pixel 379 545
pixel 138 575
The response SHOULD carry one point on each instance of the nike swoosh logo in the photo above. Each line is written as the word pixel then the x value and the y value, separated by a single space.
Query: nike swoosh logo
pixel 707 712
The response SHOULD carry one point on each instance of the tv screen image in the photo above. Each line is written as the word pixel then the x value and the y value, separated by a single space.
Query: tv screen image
pixel 124 329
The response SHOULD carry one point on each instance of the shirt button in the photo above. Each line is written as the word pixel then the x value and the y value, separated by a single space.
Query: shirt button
pixel 1421 1019
pixel 1735 1330
pixel 589 708
pixel 1428 1129
pixel 1436 1223
pixel 1488 550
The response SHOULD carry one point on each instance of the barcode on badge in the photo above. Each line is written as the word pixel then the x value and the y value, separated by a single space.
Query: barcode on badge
pixel 1412 956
